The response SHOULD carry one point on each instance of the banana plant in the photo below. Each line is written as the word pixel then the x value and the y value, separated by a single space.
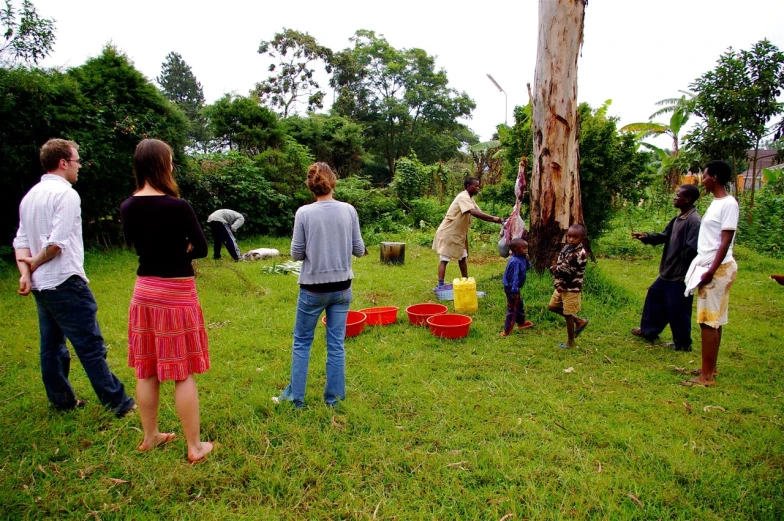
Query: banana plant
pixel 681 109
pixel 487 157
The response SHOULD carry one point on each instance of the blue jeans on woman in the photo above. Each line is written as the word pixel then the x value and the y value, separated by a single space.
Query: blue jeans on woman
pixel 69 311
pixel 309 308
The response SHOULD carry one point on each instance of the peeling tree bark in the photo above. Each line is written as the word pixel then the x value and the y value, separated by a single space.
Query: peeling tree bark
pixel 556 201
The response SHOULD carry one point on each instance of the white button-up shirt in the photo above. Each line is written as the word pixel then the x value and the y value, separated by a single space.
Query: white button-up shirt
pixel 51 213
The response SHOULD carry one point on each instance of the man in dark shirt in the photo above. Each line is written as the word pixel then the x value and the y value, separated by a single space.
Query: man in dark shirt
pixel 665 302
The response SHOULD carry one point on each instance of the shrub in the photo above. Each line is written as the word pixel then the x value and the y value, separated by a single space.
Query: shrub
pixel 426 212
pixel 764 232
pixel 370 203
pixel 412 179
pixel 232 180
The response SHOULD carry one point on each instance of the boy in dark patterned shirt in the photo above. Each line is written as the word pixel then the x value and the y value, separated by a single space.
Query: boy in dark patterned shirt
pixel 568 273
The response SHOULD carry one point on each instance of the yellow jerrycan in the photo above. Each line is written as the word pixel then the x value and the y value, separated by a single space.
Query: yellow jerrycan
pixel 465 295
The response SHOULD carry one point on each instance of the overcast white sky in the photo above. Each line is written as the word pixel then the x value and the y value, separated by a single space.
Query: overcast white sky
pixel 635 52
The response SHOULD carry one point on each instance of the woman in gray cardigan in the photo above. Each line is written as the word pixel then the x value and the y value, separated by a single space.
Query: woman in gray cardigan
pixel 326 235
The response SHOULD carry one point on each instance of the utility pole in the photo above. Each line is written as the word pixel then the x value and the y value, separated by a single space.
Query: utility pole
pixel 506 109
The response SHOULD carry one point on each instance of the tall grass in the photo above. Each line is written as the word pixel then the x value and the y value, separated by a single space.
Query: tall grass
pixel 476 428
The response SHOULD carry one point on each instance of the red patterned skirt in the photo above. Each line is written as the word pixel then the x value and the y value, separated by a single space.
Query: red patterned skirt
pixel 166 335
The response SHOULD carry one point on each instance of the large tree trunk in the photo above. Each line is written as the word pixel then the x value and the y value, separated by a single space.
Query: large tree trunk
pixel 555 184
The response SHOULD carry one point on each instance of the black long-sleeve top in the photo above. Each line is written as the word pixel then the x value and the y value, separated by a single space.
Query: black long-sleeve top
pixel 680 244
pixel 160 227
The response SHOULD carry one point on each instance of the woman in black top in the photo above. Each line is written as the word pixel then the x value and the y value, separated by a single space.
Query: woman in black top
pixel 166 335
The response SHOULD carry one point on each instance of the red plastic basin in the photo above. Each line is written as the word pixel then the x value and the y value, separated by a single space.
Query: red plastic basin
pixel 380 316
pixel 355 322
pixel 419 313
pixel 449 325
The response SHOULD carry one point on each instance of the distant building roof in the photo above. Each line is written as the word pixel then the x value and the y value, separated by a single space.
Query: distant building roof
pixel 765 159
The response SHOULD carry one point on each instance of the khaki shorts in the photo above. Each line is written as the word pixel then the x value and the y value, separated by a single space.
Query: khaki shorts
pixel 447 258
pixel 569 301
pixel 713 299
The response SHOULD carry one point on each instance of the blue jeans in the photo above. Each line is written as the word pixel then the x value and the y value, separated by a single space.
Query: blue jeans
pixel 69 311
pixel 666 304
pixel 309 308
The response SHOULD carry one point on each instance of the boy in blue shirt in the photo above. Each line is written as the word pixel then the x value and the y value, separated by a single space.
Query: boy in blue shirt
pixel 514 280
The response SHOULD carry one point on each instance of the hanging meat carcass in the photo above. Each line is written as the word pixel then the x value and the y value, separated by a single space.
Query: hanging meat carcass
pixel 514 226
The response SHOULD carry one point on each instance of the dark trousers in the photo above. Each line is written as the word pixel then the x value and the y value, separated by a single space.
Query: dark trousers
pixel 515 310
pixel 665 304
pixel 69 311
pixel 221 235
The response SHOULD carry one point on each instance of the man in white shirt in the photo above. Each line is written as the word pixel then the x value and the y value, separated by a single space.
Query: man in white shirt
pixel 50 258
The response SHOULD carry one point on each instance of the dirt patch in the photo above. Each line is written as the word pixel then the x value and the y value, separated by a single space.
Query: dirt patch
pixel 481 259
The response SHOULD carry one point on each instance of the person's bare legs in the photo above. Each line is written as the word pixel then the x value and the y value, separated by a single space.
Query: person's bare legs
pixel 569 330
pixel 186 400
pixel 571 322
pixel 147 398
pixel 711 340
pixel 442 269
pixel 463 263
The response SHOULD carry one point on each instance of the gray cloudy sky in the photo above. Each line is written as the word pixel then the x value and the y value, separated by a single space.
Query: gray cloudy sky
pixel 635 52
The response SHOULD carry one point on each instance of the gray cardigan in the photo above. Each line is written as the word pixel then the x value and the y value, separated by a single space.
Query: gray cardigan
pixel 326 234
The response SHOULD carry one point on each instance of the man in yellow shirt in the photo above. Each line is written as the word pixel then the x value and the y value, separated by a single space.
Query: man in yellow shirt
pixel 451 240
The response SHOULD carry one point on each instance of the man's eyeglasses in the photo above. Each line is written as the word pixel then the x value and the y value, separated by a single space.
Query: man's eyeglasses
pixel 74 161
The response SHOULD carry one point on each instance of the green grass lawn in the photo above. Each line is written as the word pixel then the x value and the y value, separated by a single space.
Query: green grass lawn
pixel 477 428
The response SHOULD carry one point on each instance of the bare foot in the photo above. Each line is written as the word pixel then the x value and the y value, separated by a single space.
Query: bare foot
pixel 698 372
pixel 205 447
pixel 525 325
pixel 161 438
pixel 503 333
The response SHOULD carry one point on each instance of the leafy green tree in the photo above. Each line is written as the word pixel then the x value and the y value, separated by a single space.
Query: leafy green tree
pixel 240 123
pixel 286 167
pixel 180 86
pixel 105 105
pixel 517 144
pixel 765 68
pixel 27 37
pixel 611 168
pixel 736 100
pixel 517 140
pixel 123 107
pixel 333 139
pixel 403 102
pixel 35 105
pixel 296 52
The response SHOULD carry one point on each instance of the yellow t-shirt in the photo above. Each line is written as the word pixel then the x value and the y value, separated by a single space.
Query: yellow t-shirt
pixel 450 239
